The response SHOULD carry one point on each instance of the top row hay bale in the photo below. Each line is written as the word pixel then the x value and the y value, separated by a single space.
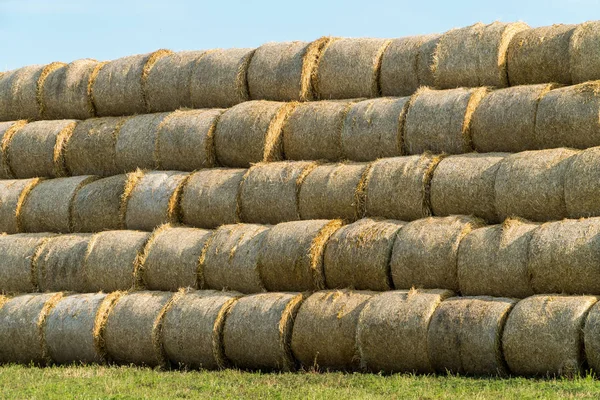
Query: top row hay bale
pixel 583 52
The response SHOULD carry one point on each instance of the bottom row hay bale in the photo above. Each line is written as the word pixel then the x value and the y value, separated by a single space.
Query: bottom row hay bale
pixel 97 205
pixel 258 330
pixel 358 255
pixel 16 264
pixel 59 263
pixel 230 258
pixel 193 329
pixel 543 335
pixel 582 195
pixel 325 329
pixel 465 335
pixel 12 196
pixel 591 336
pixel 392 330
pixel 292 255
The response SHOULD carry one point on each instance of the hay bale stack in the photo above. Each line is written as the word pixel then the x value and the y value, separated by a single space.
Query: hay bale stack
pixel 17 274
pixel 167 85
pixel 464 184
pixel 283 71
pixel 210 197
pixel 374 129
pixel 269 193
pixel 7 130
pixel 543 335
pixel 591 338
pixel 171 258
pixel 440 121
pixel 136 142
pixel 350 68
pixel 154 199
pixel 292 255
pixel 426 251
pixel 358 255
pixel 475 55
pixel 313 130
pixel 22 328
pixel 48 206
pixel 582 195
pixel 531 184
pixel 97 206
pixel 91 149
pixel 193 329
pixel 133 332
pixel 493 260
pixel 465 335
pixel 583 50
pixel 37 149
pixel 113 260
pixel 251 132
pixel 261 322
pixel 540 55
pixel 65 92
pixel 325 329
pixel 119 88
pixel 392 330
pixel 334 191
pixel 185 140
pixel 12 195
pixel 398 188
pixel 230 258
pixel 505 119
pixel 219 78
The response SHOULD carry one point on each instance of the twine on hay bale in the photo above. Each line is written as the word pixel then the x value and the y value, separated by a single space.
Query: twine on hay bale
pixel 13 193
pixel 17 274
pixel 7 131
pixel 583 50
pixel 582 195
pixel 97 206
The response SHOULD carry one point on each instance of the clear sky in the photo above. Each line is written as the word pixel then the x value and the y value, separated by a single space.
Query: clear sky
pixel 42 31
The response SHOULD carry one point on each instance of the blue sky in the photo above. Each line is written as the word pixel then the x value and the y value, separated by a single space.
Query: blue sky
pixel 42 31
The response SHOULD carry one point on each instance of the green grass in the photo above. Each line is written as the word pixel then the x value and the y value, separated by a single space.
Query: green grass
pixel 17 382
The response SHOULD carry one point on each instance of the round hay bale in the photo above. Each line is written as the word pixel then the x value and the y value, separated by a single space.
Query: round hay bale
pixel 292 255
pixel 283 71
pixel 531 184
pixel 7 130
pixel 543 335
pixel 113 260
pixel 230 259
pixel 74 326
pixel 64 93
pixel 133 332
pixel 325 328
pixel 583 49
pixel 313 130
pixel 334 191
pixel 91 149
pixel 12 195
pixel 398 188
pixel 210 197
pixel 17 274
pixel 440 120
pixel 540 55
pixel 167 85
pixel 48 206
pixel 505 119
pixel 475 55
pixel 590 336
pixel 358 255
pixel 392 330
pixel 184 140
pixel 59 263
pixel 136 142
pixel 464 184
pixel 426 251
pixel 37 149
pixel 22 328
pixel 350 68
pixel 171 258
pixel 97 206
pixel 582 195
pixel 262 322
pixel 154 199
pixel 269 193
pixel 219 78
pixel 251 132
pixel 119 88
pixel 465 335
pixel 493 260
pixel 373 129
pixel 193 329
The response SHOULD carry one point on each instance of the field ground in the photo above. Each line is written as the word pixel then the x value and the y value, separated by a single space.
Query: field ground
pixel 18 382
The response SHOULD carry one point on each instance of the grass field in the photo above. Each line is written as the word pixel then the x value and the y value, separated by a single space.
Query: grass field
pixel 18 382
